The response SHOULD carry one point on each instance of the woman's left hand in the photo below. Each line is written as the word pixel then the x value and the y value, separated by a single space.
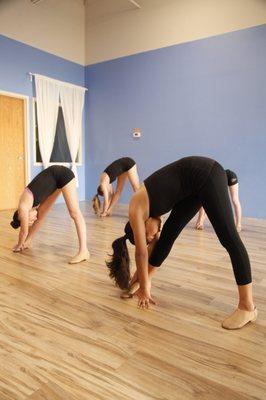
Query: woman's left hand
pixel 145 298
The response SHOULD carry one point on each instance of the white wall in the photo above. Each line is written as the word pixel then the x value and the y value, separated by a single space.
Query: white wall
pixel 114 28
pixel 55 26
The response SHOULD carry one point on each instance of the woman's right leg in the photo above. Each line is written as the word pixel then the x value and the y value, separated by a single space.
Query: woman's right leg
pixel 133 177
pixel 70 195
pixel 215 200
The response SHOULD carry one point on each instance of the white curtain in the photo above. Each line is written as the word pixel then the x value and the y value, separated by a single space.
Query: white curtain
pixel 47 96
pixel 72 101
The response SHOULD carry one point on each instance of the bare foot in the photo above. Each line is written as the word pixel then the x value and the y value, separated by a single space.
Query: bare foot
pixel 239 228
pixel 27 245
pixel 199 226
pixel 80 257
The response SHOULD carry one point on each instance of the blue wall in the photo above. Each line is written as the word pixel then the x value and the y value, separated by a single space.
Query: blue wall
pixel 16 61
pixel 206 97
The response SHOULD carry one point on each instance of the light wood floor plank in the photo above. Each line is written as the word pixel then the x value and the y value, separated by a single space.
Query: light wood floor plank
pixel 66 334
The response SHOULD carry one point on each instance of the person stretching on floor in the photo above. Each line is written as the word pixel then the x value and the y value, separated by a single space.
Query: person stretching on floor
pixel 232 181
pixel 182 187
pixel 37 199
pixel 121 169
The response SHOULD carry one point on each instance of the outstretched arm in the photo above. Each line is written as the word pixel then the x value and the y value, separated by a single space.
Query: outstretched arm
pixel 43 210
pixel 151 269
pixel 106 201
pixel 141 254
pixel 25 205
pixel 23 233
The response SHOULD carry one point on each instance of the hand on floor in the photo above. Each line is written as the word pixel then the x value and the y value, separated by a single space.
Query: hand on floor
pixel 145 298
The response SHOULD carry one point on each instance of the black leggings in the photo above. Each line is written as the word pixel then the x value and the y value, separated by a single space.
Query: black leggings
pixel 214 198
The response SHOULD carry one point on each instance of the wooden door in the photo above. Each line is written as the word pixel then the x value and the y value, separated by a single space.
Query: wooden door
pixel 12 151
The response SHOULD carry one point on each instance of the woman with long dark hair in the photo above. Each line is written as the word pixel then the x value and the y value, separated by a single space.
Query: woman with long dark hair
pixel 36 201
pixel 122 169
pixel 119 264
pixel 182 188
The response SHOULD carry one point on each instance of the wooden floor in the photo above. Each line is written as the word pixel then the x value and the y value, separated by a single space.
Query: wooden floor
pixel 66 334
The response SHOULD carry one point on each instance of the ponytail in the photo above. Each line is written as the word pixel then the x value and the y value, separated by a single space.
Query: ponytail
pixel 96 204
pixel 119 264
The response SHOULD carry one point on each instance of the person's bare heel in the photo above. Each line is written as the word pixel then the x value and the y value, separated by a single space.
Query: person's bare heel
pixel 80 257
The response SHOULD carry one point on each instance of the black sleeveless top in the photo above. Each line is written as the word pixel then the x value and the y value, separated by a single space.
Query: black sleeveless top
pixel 118 167
pixel 48 181
pixel 176 181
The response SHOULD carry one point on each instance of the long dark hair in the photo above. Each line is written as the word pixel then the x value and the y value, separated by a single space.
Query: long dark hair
pixel 119 263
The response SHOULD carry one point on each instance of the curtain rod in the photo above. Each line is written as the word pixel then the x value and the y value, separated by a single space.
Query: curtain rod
pixel 31 74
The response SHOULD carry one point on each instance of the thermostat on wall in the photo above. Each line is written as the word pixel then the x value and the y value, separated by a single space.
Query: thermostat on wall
pixel 137 133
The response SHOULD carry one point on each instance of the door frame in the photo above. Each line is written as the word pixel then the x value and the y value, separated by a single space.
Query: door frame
pixel 27 166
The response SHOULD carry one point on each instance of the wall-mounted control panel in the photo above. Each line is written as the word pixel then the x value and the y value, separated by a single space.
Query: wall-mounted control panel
pixel 137 133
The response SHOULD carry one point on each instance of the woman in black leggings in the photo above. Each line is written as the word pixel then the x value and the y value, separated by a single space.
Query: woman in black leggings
pixel 122 169
pixel 182 188
pixel 38 198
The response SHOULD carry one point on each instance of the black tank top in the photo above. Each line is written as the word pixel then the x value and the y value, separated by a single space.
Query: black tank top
pixel 176 181
pixel 48 181
pixel 118 167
